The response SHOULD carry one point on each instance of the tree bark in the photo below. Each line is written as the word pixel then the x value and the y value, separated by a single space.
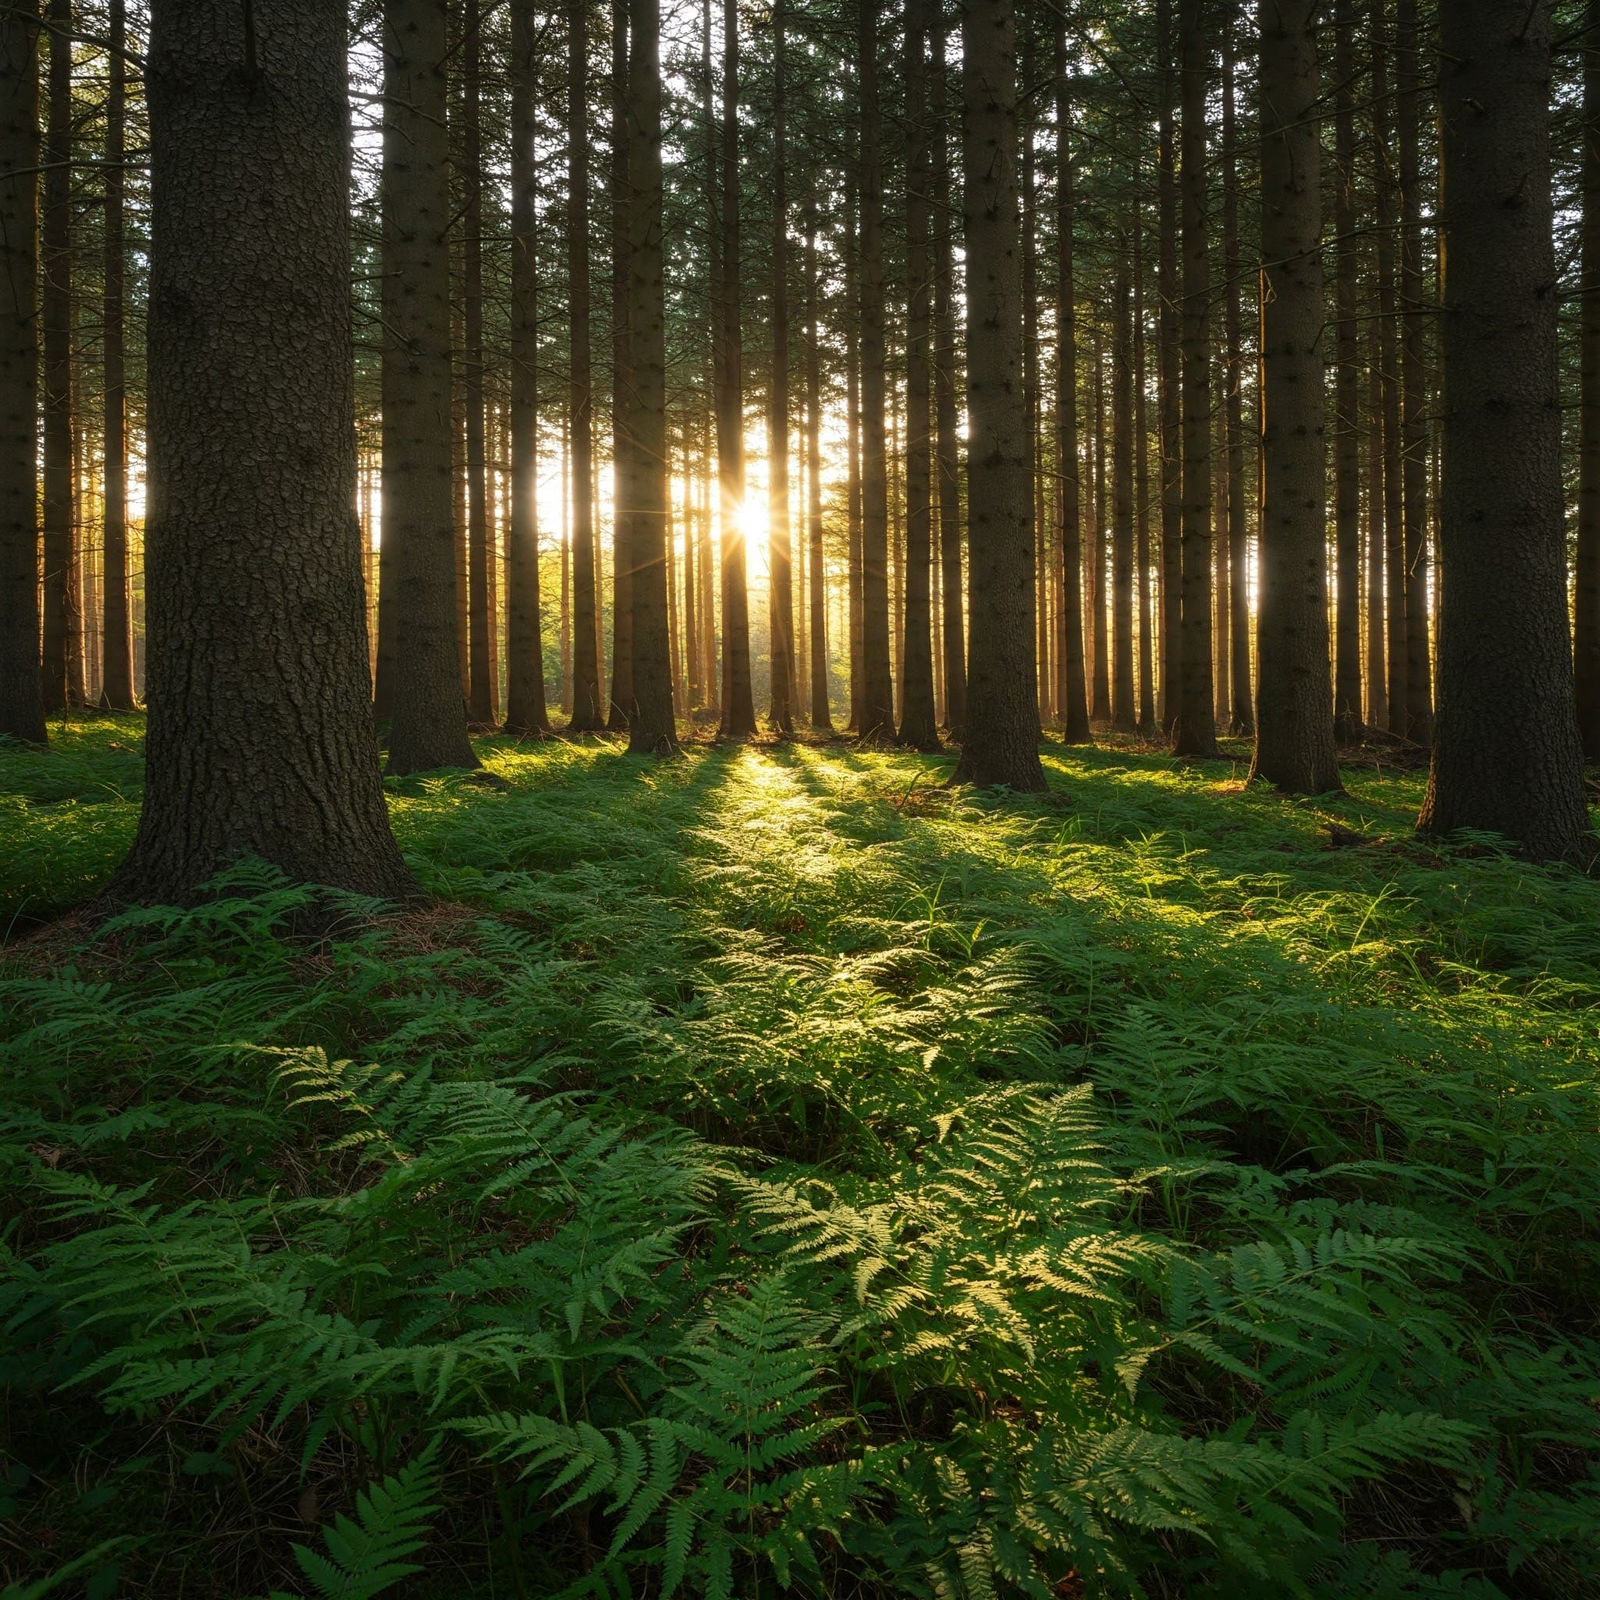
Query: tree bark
pixel 1123 716
pixel 1002 734
pixel 1099 611
pixel 1347 391
pixel 260 737
pixel 526 712
pixel 1506 754
pixel 1586 598
pixel 852 406
pixel 116 673
pixel 428 726
pixel 1294 706
pixel 1242 713
pixel 821 713
pixel 1168 333
pixel 1141 434
pixel 619 715
pixel 780 594
pixel 21 697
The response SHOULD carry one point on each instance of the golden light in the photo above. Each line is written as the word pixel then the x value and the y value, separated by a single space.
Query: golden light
pixel 753 524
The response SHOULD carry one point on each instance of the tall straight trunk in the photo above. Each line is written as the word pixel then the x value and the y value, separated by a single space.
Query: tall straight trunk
pixel 61 576
pixel 780 591
pixel 1377 701
pixel 1413 384
pixel 1222 585
pixel 1389 368
pixel 116 624
pixel 1194 728
pixel 1506 753
pixel 693 686
pixel 1123 715
pixel 919 724
pixel 21 698
pixel 708 581
pixel 952 616
pixel 821 714
pixel 526 712
pixel 619 715
pixel 1002 734
pixel 1294 709
pixel 566 565
pixel 1099 611
pixel 1241 714
pixel 588 706
pixel 852 273
pixel 1069 626
pixel 710 671
pixel 652 730
pixel 738 703
pixel 428 726
pixel 1169 365
pixel 256 745
pixel 1030 350
pixel 1141 436
pixel 1347 724
pixel 877 675
pixel 483 699
pixel 1586 598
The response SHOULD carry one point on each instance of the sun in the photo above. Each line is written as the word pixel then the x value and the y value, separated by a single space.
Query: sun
pixel 753 524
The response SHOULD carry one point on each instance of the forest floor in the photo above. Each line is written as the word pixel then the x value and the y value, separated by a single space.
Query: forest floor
pixel 773 1168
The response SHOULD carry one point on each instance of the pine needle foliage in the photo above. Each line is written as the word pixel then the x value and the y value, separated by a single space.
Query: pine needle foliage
pixel 772 1173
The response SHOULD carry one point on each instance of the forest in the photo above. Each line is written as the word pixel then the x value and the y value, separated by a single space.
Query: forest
pixel 797 798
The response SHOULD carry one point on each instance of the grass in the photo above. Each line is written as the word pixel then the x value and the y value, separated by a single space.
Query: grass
pixel 772 1171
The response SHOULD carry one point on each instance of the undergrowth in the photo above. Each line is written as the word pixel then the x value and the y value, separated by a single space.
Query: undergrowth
pixel 772 1172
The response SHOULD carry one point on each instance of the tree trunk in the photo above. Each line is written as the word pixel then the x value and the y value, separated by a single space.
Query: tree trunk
pixel 260 735
pixel 1242 713
pixel 427 720
pixel 1168 332
pixel 1002 734
pixel 61 576
pixel 1506 754
pixel 1123 718
pixel 116 673
pixel 1347 391
pixel 738 703
pixel 1194 728
pixel 588 706
pixel 526 712
pixel 780 593
pixel 919 725
pixel 952 617
pixel 852 406
pixel 1294 706
pixel 21 699
pixel 1377 677
pixel 821 714
pixel 1099 611
pixel 653 730
pixel 1586 599
pixel 1141 435
pixel 619 715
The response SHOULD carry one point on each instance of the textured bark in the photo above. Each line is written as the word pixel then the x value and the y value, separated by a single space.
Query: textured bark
pixel 1099 634
pixel 952 616
pixel 1069 627
pixel 919 724
pixel 821 714
pixel 852 407
pixel 652 730
pixel 1506 754
pixel 1413 385
pixel 1377 681
pixel 1169 371
pixel 427 719
pixel 21 699
pixel 116 673
pixel 62 593
pixel 1347 392
pixel 1294 703
pixel 1242 711
pixel 526 712
pixel 877 676
pixel 1586 598
pixel 1123 717
pixel 1194 726
pixel 619 716
pixel 738 703
pixel 1141 434
pixel 710 673
pixel 1002 734
pixel 260 735
pixel 780 594
pixel 588 704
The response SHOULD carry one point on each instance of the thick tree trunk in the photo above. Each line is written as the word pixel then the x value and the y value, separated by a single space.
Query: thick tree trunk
pixel 1377 700
pixel 952 615
pixel 21 699
pixel 1347 391
pixel 619 715
pixel 738 702
pixel 1506 755
pixel 1242 711
pixel 1141 434
pixel 653 730
pixel 1586 599
pixel 821 713
pixel 1099 612
pixel 919 726
pixel 260 735
pixel 1194 727
pixel 1069 629
pixel 1123 717
pixel 1002 734
pixel 877 675
pixel 780 593
pixel 1294 706
pixel 427 720
pixel 116 674
pixel 62 595
pixel 1169 364
pixel 588 704
pixel 526 712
